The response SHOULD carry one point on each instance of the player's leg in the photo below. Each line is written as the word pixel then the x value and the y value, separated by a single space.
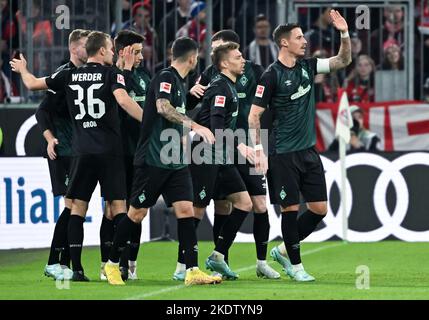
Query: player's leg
pixel 75 234
pixel 203 184
pixel 106 237
pixel 188 242
pixel 82 184
pixel 284 182
pixel 125 228
pixel 146 189
pixel 58 268
pixel 314 191
pixel 231 182
pixel 261 233
pixel 178 189
pixel 256 186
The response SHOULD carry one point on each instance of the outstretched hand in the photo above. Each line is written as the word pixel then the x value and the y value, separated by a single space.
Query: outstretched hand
pixel 338 21
pixel 18 65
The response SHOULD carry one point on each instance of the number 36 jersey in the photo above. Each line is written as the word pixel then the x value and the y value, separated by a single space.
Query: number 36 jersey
pixel 92 106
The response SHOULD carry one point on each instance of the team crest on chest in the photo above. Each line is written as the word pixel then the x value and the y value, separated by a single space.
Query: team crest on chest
pixel 305 74
pixel 142 84
pixel 243 80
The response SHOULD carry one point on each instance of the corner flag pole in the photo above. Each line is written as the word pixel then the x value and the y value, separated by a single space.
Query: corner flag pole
pixel 342 132
pixel 342 154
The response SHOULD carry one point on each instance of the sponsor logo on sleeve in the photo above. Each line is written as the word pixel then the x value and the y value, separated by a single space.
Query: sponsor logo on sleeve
pixel 259 91
pixel 165 87
pixel 121 79
pixel 220 101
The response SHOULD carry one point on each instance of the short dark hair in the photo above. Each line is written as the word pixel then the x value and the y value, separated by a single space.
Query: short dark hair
pixel 78 34
pixel 220 52
pixel 227 35
pixel 127 38
pixel 283 31
pixel 96 41
pixel 182 47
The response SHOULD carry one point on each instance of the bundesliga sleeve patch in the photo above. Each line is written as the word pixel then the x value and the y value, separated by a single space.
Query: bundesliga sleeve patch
pixel 259 91
pixel 220 101
pixel 165 87
pixel 121 79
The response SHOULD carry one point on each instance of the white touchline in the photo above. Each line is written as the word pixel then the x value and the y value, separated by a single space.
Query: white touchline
pixel 174 288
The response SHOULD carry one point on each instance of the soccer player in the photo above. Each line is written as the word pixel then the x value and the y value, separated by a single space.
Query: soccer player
pixel 212 169
pixel 54 121
pixel 137 80
pixel 159 166
pixel 92 93
pixel 255 184
pixel 295 166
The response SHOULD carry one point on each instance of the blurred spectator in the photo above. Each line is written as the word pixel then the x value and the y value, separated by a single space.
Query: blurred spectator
pixel 141 23
pixel 360 82
pixel 9 34
pixel 126 15
pixel 7 89
pixel 172 22
pixel 169 57
pixel 196 27
pixel 42 36
pixel 361 139
pixel 322 35
pixel 325 84
pixel 262 50
pixel 391 31
pixel 393 59
pixel 356 43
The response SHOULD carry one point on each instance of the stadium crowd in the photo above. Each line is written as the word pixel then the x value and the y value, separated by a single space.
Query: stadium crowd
pixel 378 49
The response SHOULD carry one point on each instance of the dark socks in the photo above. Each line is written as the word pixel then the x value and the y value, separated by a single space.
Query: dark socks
pixel 132 249
pixel 188 241
pixel 59 239
pixel 307 223
pixel 229 230
pixel 122 234
pixel 75 236
pixel 291 236
pixel 180 255
pixel 106 238
pixel 219 221
pixel 135 243
pixel 261 233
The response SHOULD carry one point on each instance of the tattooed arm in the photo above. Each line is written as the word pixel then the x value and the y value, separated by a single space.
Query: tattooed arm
pixel 166 110
pixel 344 56
pixel 260 160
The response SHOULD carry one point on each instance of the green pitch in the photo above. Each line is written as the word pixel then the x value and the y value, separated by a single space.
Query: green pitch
pixel 397 270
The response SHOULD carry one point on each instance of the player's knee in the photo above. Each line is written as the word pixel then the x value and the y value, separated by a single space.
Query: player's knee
pixel 223 207
pixel 320 208
pixel 244 204
pixel 259 204
pixel 199 212
pixel 137 215
pixel 294 207
pixel 118 206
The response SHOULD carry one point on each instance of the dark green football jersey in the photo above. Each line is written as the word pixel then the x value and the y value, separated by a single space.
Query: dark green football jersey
pixel 289 93
pixel 137 82
pixel 160 142
pixel 245 86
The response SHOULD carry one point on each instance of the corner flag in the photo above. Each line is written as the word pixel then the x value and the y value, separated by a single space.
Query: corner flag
pixel 344 118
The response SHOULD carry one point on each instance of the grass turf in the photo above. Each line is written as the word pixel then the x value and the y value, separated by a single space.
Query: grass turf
pixel 397 270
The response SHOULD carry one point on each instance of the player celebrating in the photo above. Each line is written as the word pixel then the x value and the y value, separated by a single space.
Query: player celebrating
pixel 255 184
pixel 54 121
pixel 295 166
pixel 159 166
pixel 91 92
pixel 137 80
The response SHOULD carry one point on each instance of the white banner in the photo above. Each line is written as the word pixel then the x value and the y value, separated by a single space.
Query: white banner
pixel 28 210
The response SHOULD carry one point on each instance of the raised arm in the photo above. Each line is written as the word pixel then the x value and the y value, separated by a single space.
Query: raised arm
pixel 344 56
pixel 30 81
